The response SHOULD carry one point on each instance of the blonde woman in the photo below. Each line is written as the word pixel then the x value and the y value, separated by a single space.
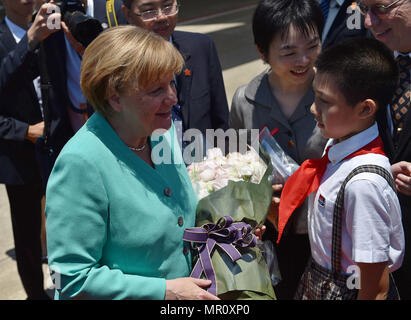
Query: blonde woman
pixel 116 216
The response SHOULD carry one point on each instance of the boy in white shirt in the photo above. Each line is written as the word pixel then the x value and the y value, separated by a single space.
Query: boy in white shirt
pixel 354 221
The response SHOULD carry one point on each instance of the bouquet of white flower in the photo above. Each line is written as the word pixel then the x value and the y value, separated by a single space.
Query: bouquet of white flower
pixel 216 170
pixel 235 196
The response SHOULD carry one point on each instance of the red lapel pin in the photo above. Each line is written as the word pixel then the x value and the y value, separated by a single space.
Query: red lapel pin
pixel 187 72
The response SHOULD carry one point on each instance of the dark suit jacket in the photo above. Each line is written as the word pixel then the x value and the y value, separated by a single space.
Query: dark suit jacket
pixel 19 108
pixel 200 87
pixel 401 152
pixel 53 51
pixel 339 30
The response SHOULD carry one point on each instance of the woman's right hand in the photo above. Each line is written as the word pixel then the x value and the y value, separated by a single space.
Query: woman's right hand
pixel 188 289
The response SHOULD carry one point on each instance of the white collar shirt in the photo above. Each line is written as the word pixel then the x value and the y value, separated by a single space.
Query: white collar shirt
pixel 397 53
pixel 17 32
pixel 372 230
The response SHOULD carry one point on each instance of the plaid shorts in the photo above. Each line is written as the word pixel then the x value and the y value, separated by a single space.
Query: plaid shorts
pixel 319 283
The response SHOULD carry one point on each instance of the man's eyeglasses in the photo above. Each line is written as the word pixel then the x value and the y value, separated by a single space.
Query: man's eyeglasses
pixel 153 14
pixel 378 9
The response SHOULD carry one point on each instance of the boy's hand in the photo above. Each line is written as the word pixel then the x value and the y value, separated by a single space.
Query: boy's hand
pixel 402 176
pixel 275 204
pixel 259 232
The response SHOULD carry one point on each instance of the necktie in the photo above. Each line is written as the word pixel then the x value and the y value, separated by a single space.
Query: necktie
pixel 325 7
pixel 307 180
pixel 401 101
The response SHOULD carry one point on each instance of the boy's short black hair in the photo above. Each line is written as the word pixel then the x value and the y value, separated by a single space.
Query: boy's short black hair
pixel 361 68
pixel 273 17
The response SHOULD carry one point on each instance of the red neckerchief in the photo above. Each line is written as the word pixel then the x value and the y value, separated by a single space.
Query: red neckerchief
pixel 307 180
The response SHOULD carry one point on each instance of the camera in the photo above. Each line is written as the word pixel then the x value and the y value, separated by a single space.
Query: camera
pixel 83 27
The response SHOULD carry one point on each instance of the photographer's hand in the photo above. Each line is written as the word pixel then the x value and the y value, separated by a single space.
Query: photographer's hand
pixel 47 22
pixel 73 42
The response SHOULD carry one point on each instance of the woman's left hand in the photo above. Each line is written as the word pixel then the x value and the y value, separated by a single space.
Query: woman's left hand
pixel 402 176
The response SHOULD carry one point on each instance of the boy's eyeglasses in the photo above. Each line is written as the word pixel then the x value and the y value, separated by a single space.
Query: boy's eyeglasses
pixel 153 14
pixel 378 9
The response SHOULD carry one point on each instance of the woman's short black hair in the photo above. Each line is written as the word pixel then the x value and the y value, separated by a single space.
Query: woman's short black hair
pixel 273 17
pixel 361 68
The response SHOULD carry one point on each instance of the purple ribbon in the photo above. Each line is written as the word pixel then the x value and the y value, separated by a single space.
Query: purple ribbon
pixel 226 234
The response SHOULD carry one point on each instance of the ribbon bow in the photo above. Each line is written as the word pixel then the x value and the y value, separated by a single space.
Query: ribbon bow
pixel 226 234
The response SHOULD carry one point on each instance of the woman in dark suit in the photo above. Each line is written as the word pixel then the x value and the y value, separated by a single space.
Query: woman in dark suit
pixel 287 34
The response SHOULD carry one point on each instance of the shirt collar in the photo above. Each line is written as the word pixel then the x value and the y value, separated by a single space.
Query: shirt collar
pixel 17 32
pixel 334 3
pixel 397 53
pixel 343 149
pixel 90 8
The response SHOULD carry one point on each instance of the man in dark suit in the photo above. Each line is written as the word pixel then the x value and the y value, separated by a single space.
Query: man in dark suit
pixel 21 124
pixel 342 21
pixel 202 101
pixel 67 108
pixel 391 24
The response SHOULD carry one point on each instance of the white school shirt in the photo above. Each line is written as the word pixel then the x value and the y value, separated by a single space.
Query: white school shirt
pixel 372 230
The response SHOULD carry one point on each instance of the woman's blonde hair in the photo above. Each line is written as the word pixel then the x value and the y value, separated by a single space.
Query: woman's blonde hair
pixel 125 56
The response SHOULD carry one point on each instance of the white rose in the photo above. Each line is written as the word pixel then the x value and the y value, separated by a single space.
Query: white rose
pixel 214 153
pixel 207 175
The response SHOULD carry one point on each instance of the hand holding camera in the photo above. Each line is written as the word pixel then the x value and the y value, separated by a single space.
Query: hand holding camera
pixel 43 25
pixel 70 15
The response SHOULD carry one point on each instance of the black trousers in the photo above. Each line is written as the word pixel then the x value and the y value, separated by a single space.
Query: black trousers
pixel 403 275
pixel 293 253
pixel 25 209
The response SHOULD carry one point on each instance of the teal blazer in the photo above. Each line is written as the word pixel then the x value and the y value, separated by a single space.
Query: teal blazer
pixel 114 224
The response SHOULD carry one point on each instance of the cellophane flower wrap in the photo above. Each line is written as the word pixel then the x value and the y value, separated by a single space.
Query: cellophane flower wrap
pixel 237 186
